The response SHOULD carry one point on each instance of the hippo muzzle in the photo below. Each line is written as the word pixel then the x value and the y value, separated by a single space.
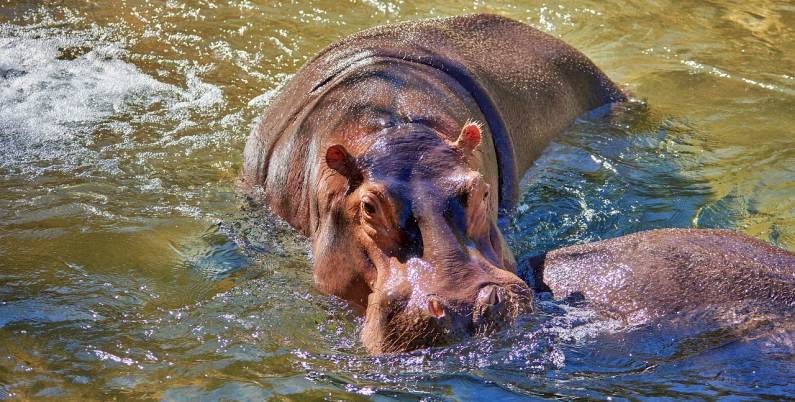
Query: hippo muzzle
pixel 440 268
pixel 420 307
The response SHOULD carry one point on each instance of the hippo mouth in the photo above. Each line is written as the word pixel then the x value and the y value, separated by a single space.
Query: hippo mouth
pixel 405 325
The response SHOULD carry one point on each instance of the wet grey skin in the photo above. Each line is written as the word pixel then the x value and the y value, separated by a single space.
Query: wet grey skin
pixel 654 275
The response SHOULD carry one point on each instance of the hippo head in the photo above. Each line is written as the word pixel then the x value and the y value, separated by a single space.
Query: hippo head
pixel 418 227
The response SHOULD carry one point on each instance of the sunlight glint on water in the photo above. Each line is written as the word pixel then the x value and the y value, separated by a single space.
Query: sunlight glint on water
pixel 129 267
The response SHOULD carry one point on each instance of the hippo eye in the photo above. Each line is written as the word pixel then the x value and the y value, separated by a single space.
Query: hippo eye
pixel 486 195
pixel 368 205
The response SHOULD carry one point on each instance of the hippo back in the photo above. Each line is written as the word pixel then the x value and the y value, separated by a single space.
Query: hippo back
pixel 657 273
pixel 528 85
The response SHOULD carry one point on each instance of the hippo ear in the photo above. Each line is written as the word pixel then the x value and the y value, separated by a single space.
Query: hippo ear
pixel 469 139
pixel 338 158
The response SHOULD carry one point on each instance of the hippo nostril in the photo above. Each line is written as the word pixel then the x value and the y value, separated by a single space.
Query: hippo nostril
pixel 435 307
pixel 489 295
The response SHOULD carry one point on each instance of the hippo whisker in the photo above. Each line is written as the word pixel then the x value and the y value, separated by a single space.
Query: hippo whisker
pixel 398 341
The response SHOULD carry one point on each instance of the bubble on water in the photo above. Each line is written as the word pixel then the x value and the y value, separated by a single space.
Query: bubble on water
pixel 200 94
pixel 384 7
pixel 154 184
pixel 102 355
pixel 61 94
pixel 5 393
pixel 52 93
pixel 213 254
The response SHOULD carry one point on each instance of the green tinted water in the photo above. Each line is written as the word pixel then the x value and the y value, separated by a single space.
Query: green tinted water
pixel 129 267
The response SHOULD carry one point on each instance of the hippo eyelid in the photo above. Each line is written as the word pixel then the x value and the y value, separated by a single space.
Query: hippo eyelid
pixel 380 196
pixel 467 188
pixel 369 204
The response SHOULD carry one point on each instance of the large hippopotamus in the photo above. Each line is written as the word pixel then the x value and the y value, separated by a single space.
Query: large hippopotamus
pixel 396 149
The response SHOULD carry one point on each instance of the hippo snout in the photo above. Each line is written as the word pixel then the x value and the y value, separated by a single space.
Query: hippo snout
pixel 439 319
pixel 491 308
pixel 497 306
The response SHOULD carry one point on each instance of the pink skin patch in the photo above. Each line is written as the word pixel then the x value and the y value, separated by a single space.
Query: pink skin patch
pixel 470 136
pixel 338 158
pixel 335 156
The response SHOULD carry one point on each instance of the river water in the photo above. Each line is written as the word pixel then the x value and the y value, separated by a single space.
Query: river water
pixel 131 269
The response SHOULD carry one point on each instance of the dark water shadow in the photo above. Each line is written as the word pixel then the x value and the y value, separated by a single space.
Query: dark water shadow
pixel 607 177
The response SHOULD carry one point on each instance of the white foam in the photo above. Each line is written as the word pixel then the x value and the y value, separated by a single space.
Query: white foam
pixel 51 107
pixel 50 98
pixel 200 94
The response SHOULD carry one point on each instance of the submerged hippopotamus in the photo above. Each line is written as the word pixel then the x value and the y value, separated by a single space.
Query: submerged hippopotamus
pixel 396 149
pixel 657 274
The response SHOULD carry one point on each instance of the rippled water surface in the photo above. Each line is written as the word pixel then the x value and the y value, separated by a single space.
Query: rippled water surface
pixel 130 268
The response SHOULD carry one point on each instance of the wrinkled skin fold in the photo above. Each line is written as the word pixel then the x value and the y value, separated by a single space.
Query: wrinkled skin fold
pixel 396 149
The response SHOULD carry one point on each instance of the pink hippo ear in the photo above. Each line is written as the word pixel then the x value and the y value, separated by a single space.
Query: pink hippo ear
pixel 338 158
pixel 469 139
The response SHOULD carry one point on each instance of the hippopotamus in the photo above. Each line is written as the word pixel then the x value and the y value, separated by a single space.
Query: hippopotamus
pixel 655 275
pixel 397 149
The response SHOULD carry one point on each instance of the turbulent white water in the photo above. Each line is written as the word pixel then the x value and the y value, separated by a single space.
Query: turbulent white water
pixel 65 98
pixel 48 97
